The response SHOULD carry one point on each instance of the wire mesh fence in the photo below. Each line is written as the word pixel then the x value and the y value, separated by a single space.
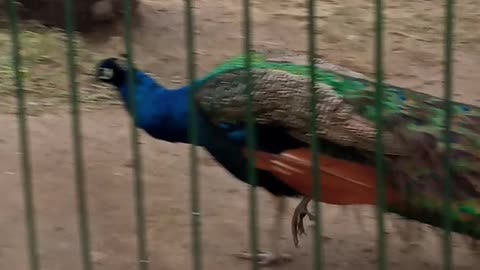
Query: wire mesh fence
pixel 138 188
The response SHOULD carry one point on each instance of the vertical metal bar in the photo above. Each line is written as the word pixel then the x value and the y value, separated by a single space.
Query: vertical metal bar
pixel 317 245
pixel 193 138
pixel 77 138
pixel 24 144
pixel 379 159
pixel 137 162
pixel 448 86
pixel 251 143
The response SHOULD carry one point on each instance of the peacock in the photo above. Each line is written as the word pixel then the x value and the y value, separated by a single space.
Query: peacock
pixel 164 114
pixel 345 130
pixel 413 140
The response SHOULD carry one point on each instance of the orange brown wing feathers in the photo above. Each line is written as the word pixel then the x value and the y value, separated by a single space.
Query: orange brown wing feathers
pixel 341 182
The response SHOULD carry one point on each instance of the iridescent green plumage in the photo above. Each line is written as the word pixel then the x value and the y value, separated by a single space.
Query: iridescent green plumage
pixel 413 138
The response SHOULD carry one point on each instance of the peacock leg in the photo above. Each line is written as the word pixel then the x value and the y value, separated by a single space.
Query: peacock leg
pixel 297 219
pixel 276 231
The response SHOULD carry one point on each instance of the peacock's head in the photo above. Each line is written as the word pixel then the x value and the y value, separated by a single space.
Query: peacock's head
pixel 112 71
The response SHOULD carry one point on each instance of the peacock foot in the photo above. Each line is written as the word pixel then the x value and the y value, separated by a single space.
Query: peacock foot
pixel 266 258
pixel 299 214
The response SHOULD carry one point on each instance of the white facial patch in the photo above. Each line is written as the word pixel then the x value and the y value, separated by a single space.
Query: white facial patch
pixel 106 73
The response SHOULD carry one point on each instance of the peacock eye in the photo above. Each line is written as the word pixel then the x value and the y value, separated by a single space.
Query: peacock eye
pixel 106 73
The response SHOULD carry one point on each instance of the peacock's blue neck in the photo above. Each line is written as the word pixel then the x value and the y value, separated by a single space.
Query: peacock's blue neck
pixel 163 113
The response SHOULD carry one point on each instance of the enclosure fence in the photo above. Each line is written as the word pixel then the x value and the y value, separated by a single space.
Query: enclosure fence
pixel 143 259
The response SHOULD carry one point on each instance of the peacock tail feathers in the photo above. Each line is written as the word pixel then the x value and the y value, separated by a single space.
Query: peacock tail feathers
pixel 465 215
pixel 414 122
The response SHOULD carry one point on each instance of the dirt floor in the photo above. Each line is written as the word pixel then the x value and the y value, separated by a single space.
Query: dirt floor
pixel 344 36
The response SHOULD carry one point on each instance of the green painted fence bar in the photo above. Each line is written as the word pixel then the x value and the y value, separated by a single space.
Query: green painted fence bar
pixel 251 142
pixel 448 86
pixel 379 154
pixel 24 145
pixel 77 139
pixel 317 258
pixel 193 138
pixel 142 256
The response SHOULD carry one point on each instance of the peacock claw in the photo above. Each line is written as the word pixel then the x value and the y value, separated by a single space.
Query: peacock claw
pixel 266 258
pixel 299 214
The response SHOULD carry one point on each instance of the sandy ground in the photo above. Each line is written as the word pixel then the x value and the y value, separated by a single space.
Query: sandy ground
pixel 414 55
